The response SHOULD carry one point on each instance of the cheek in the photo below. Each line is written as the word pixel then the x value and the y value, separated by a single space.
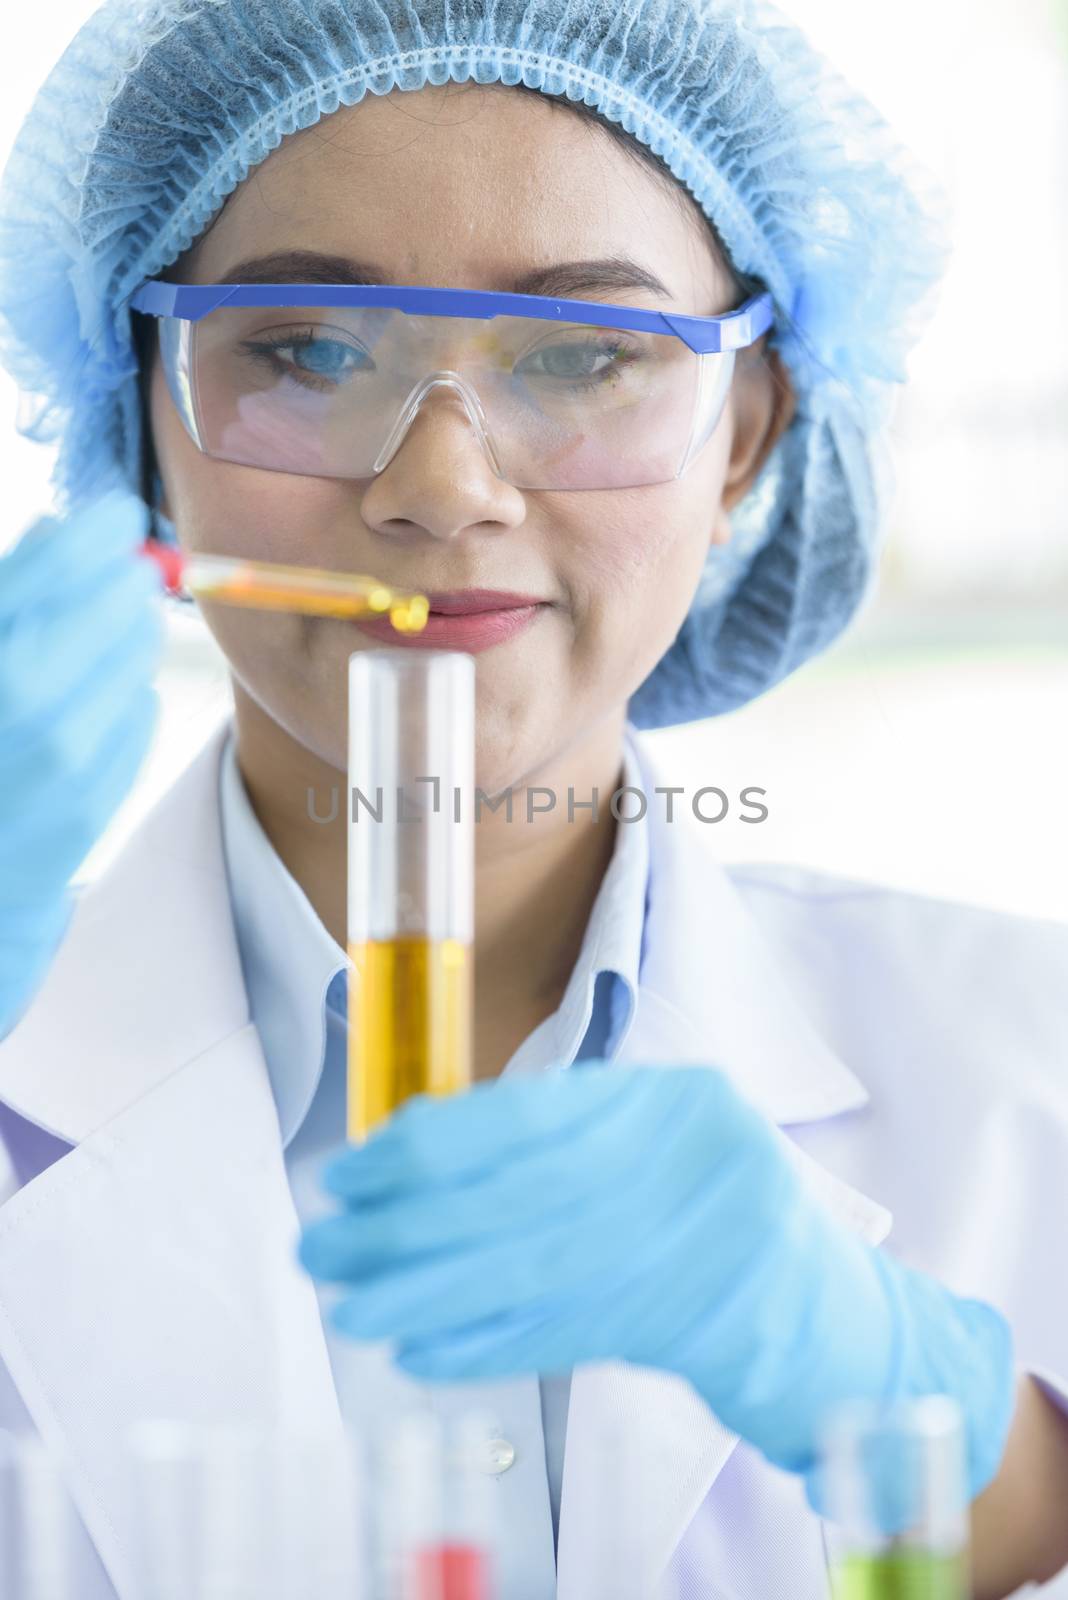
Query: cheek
pixel 637 559
pixel 645 552
pixel 646 547
pixel 226 509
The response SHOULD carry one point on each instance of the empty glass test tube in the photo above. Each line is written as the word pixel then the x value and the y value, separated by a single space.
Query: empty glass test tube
pixel 410 878
pixel 229 1512
pixel 37 1522
pixel 895 1486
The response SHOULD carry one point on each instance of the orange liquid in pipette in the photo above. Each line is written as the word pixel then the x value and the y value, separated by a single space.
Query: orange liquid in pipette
pixel 268 586
pixel 407 616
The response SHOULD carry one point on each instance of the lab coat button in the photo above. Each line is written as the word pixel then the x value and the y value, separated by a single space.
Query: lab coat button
pixel 499 1455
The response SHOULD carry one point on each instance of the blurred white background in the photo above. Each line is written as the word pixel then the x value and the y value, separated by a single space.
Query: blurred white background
pixel 927 749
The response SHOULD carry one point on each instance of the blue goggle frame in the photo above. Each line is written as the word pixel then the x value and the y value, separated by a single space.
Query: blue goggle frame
pixel 730 330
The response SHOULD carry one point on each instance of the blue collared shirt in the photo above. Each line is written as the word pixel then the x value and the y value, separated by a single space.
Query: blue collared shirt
pixel 295 973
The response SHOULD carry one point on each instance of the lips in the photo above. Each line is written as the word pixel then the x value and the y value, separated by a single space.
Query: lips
pixel 471 602
pixel 472 631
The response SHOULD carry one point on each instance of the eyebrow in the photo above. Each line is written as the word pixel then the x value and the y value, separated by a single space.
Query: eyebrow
pixel 568 279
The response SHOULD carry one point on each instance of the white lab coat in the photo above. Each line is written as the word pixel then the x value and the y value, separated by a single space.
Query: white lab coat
pixel 914 1049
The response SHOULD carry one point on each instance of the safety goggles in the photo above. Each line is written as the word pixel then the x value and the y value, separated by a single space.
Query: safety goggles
pixel 325 380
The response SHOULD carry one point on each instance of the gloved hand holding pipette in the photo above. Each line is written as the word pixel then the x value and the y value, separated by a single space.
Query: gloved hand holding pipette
pixel 80 639
pixel 646 1214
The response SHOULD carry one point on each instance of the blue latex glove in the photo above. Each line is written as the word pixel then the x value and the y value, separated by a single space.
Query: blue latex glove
pixel 651 1215
pixel 80 638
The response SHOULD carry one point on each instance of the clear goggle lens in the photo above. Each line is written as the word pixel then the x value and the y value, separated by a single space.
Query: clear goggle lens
pixel 332 391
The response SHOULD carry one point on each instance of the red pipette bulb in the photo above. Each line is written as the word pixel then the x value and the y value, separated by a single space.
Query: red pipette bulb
pixel 169 559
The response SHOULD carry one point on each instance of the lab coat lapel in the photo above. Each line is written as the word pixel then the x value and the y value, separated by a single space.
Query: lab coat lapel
pixel 172 1218
pixel 710 994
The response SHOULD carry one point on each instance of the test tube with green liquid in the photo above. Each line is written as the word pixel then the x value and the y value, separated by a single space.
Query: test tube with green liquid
pixel 894 1480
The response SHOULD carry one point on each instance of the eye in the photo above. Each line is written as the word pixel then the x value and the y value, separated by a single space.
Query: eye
pixel 313 360
pixel 585 363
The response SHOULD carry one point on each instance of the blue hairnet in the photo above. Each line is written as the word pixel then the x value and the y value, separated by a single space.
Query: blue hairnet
pixel 160 108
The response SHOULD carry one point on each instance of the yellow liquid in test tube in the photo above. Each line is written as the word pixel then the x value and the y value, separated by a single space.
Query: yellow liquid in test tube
pixel 410 1006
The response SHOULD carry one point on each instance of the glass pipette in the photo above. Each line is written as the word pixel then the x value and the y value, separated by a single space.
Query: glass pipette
pixel 315 591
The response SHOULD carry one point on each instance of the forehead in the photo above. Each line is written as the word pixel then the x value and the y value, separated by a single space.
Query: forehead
pixel 463 185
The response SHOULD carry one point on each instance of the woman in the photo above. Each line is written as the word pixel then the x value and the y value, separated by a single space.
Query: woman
pixel 636 1237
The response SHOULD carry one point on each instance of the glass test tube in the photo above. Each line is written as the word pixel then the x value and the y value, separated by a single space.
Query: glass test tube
pixel 410 878
pixel 409 1508
pixel 895 1484
pixel 460 1564
pixel 202 1514
pixel 615 1515
pixel 225 1512
pixel 436 1523
pixel 37 1520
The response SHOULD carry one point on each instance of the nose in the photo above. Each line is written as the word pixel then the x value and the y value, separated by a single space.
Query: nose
pixel 454 384
pixel 449 480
